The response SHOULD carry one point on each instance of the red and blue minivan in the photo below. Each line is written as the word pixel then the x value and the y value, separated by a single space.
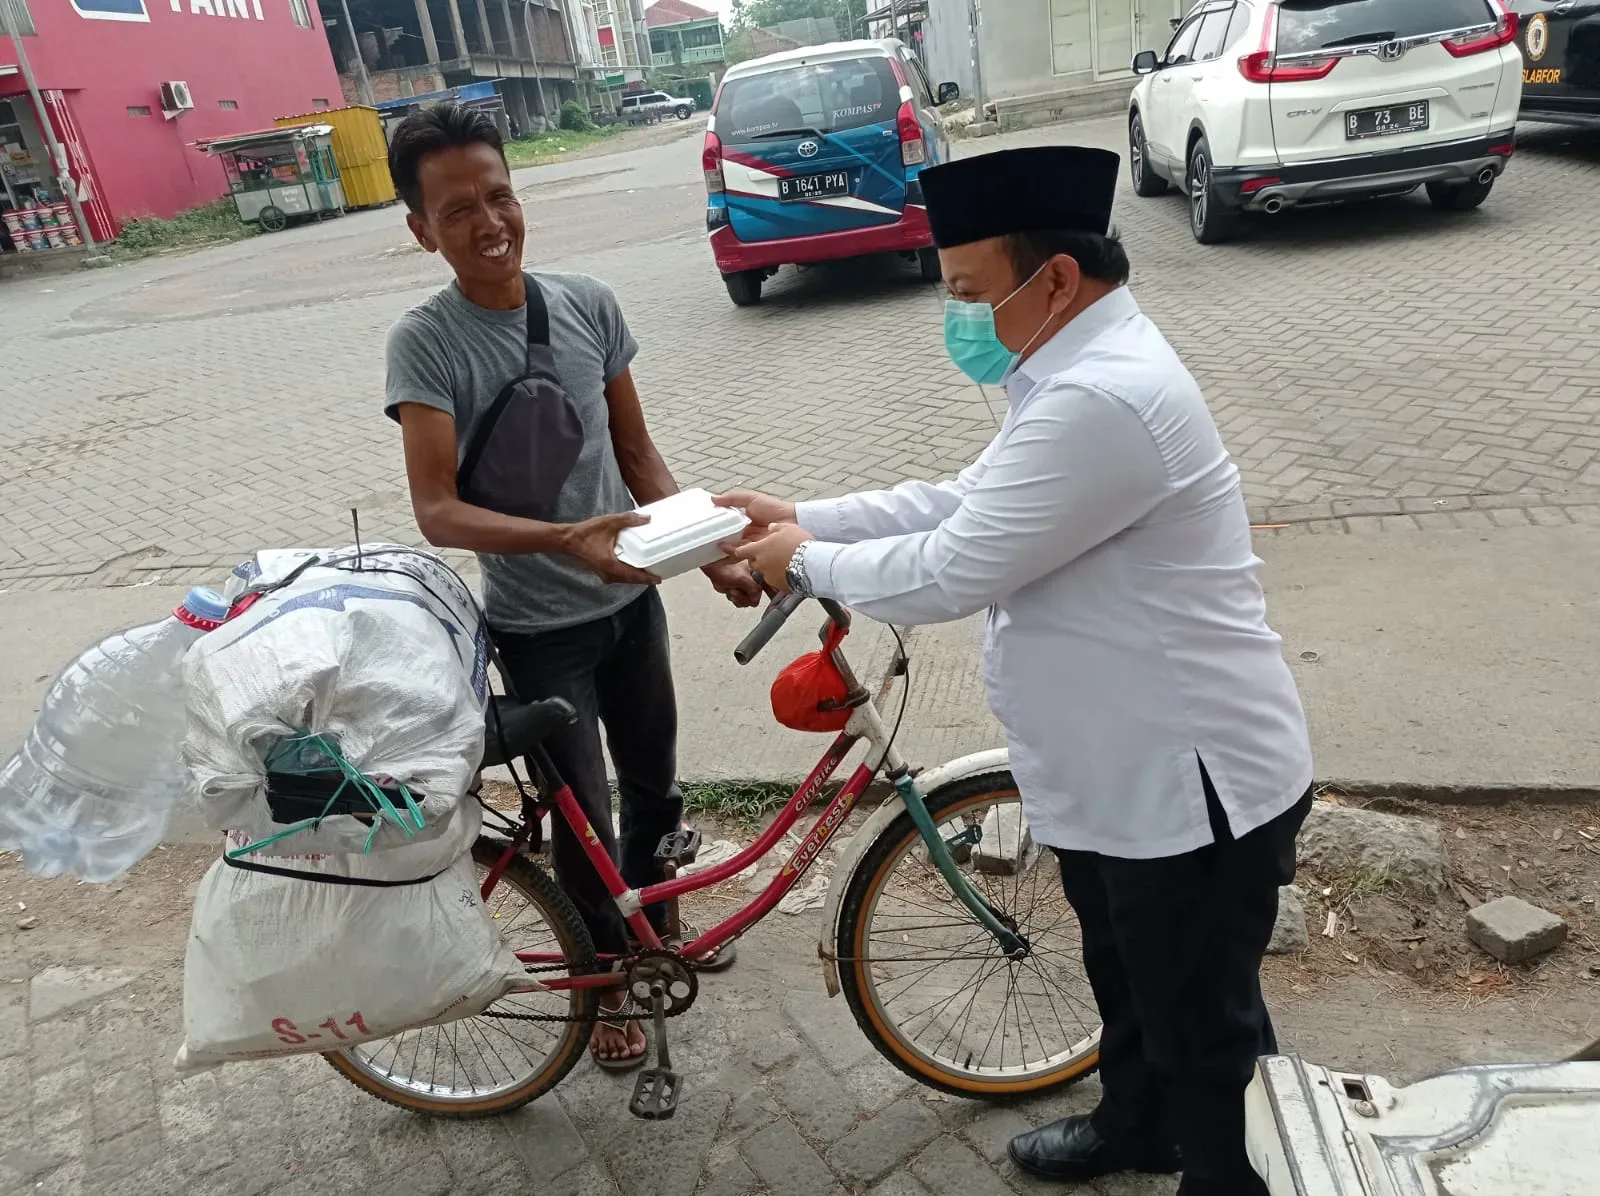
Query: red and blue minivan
pixel 813 154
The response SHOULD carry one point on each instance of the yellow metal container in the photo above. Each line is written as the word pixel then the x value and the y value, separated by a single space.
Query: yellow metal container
pixel 360 150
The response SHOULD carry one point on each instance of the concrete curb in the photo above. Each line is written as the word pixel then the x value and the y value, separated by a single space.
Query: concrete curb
pixel 1442 795
pixel 1463 794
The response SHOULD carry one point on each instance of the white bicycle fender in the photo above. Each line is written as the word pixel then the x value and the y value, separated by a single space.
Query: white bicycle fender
pixel 993 760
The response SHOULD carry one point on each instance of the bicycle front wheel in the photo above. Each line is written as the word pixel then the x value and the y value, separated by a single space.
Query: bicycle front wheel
pixel 517 1049
pixel 929 986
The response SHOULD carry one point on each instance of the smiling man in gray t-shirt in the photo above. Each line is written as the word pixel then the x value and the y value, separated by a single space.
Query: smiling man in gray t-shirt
pixel 570 619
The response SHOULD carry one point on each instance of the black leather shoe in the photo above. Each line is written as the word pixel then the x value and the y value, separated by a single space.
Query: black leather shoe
pixel 1071 1149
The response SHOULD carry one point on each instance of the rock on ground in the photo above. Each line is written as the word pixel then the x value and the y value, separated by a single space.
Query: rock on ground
pixel 1403 851
pixel 1513 930
pixel 1289 933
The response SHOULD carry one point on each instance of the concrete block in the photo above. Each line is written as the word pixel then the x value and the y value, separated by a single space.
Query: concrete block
pixel 982 128
pixel 1007 842
pixel 1289 933
pixel 1400 850
pixel 1513 930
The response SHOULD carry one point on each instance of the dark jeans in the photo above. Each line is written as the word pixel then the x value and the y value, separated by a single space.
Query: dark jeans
pixel 616 672
pixel 1173 951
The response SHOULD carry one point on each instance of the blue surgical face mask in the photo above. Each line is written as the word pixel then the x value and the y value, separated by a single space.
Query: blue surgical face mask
pixel 972 342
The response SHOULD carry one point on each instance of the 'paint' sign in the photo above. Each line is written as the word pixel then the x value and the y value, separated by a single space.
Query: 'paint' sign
pixel 134 10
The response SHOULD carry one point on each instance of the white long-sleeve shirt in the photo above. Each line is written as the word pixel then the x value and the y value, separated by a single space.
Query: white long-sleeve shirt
pixel 1105 531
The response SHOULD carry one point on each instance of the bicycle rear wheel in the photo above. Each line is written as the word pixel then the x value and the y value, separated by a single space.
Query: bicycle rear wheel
pixel 500 1059
pixel 928 985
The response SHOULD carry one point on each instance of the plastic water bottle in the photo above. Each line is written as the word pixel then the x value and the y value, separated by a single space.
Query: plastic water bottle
pixel 93 788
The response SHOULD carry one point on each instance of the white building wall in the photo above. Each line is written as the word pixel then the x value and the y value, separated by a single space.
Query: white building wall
pixel 1034 47
pixel 947 44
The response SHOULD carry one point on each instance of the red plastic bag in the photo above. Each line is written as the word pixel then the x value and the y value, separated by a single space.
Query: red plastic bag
pixel 809 694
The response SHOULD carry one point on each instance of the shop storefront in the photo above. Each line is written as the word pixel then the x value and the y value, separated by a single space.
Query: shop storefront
pixel 34 214
pixel 126 89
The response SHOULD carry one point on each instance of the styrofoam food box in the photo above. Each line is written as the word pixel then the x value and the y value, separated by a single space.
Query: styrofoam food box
pixel 683 534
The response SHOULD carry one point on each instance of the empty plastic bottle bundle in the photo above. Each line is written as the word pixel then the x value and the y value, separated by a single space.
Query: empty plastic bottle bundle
pixel 94 787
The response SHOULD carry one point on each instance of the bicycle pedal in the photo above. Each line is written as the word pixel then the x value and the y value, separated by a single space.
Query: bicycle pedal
pixel 680 847
pixel 655 1094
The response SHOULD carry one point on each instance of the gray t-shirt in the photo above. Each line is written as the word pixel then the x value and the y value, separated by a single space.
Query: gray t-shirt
pixel 449 353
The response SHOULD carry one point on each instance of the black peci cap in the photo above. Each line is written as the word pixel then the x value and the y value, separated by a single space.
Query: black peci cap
pixel 1048 188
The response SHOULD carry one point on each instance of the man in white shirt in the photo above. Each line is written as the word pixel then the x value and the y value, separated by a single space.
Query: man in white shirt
pixel 1155 732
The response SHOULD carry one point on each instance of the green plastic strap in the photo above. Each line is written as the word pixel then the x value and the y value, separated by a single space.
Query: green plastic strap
pixel 382 807
pixel 1011 944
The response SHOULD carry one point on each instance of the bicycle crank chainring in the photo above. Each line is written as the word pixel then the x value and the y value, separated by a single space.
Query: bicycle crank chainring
pixel 673 973
pixel 677 979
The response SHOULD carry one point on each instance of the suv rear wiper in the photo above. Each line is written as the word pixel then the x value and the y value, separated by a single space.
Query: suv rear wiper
pixel 777 133
pixel 1360 39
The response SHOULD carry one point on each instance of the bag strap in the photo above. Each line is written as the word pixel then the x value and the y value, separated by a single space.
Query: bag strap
pixel 538 313
pixel 538 334
pixel 326 879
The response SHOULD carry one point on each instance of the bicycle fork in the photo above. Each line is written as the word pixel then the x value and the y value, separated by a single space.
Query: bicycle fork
pixel 866 722
pixel 1013 945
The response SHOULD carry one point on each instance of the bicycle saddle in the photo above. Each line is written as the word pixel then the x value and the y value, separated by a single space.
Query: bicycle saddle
pixel 513 727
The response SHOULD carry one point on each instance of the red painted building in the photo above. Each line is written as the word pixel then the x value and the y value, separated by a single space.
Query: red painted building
pixel 130 85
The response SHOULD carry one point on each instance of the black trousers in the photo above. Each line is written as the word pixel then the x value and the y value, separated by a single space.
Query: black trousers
pixel 1173 951
pixel 617 673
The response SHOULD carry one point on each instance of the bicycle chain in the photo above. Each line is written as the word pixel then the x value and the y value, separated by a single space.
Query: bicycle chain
pixel 567 1017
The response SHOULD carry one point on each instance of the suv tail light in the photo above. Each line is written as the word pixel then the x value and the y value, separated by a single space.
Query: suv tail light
pixel 1263 66
pixel 913 149
pixel 1503 34
pixel 711 163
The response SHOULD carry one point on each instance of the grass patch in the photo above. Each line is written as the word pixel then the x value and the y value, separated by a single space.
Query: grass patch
pixel 543 148
pixel 211 224
pixel 740 803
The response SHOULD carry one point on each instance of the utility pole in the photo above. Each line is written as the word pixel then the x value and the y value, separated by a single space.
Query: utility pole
pixel 975 19
pixel 58 152
pixel 533 49
pixel 363 81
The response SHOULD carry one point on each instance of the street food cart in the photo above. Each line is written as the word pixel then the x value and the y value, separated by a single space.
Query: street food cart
pixel 279 175
pixel 360 151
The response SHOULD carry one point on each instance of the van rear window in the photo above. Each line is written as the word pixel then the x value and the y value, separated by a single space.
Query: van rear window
pixel 808 98
pixel 1305 25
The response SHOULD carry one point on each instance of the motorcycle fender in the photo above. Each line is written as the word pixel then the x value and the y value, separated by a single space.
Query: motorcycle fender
pixel 994 760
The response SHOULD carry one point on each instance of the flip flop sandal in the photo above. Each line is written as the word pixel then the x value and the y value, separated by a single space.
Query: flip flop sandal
pixel 618 1019
pixel 719 960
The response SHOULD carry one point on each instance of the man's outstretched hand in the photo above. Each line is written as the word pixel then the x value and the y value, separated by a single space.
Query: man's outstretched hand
pixel 734 581
pixel 762 509
pixel 594 542
pixel 769 550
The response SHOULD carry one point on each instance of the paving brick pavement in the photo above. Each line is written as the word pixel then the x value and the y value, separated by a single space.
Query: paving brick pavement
pixel 1373 366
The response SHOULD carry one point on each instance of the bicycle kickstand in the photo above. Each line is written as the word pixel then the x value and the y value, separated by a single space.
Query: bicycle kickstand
pixel 655 1093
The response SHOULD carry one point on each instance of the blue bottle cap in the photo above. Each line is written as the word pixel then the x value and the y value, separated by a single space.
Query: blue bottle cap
pixel 205 605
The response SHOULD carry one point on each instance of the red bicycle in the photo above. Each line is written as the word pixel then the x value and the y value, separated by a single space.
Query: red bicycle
pixel 945 928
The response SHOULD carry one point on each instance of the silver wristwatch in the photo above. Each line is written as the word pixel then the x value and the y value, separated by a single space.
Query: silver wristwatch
pixel 795 574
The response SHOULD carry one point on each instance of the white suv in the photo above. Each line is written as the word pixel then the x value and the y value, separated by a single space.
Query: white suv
pixel 657 103
pixel 1260 105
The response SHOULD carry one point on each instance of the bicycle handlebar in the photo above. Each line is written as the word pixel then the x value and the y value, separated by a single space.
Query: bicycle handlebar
pixel 776 616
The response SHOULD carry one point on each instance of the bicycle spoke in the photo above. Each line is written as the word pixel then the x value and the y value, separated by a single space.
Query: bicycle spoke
pixel 496 1051
pixel 938 977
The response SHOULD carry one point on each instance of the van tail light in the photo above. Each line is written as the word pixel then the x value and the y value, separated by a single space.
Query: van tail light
pixel 711 163
pixel 1503 34
pixel 1263 66
pixel 913 149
